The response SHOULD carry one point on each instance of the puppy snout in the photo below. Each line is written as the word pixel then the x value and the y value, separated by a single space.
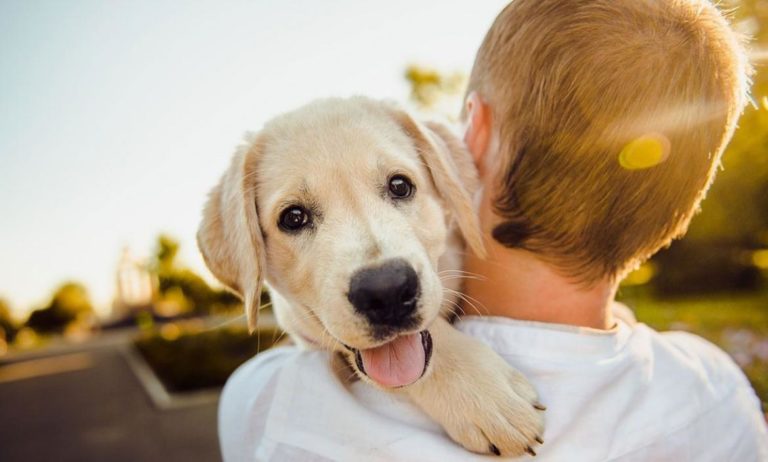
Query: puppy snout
pixel 386 294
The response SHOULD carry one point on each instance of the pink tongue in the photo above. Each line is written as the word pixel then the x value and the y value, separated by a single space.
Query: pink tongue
pixel 397 363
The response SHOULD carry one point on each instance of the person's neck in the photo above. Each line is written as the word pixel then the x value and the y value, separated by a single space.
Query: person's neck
pixel 516 284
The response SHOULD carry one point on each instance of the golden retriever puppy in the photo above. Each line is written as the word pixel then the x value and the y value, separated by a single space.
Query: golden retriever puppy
pixel 349 210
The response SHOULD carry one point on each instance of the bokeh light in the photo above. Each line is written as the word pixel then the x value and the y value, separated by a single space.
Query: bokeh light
pixel 644 152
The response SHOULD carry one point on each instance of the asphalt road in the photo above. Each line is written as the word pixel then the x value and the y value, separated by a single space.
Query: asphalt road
pixel 89 406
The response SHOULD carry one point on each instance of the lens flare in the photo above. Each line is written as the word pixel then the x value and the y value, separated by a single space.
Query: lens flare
pixel 760 259
pixel 645 152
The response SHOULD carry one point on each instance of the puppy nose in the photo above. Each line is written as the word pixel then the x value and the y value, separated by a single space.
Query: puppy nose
pixel 386 294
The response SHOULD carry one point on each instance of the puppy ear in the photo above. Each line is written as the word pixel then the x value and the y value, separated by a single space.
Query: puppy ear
pixel 453 173
pixel 230 237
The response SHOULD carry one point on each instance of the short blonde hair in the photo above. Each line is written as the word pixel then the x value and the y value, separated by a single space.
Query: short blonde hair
pixel 570 84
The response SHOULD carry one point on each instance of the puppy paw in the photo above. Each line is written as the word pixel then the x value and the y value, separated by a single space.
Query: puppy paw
pixel 482 403
pixel 508 427
pixel 501 415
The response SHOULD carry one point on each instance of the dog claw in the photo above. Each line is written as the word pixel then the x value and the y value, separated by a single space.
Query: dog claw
pixel 539 406
pixel 494 449
pixel 530 451
pixel 539 440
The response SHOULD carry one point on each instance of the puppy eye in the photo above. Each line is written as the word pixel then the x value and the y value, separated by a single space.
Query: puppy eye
pixel 400 187
pixel 294 218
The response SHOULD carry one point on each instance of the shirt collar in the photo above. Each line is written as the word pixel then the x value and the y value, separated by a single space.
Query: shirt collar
pixel 511 337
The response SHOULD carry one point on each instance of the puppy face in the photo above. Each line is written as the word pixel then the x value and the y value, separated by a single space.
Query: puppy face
pixel 343 207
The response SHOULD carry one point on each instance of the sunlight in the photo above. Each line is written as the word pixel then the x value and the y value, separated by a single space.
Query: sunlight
pixel 644 152
pixel 669 120
pixel 758 55
pixel 165 106
pixel 47 366
pixel 170 331
pixel 760 259
pixel 640 276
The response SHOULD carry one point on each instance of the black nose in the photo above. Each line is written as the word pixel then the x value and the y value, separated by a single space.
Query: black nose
pixel 386 294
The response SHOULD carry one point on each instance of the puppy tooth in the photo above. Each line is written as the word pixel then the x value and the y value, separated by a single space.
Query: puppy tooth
pixel 494 449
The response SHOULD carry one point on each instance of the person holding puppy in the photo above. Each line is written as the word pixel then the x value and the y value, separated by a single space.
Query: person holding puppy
pixel 596 127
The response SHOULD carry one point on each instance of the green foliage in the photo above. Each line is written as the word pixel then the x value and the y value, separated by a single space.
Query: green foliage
pixel 199 295
pixel 205 359
pixel 175 279
pixel 166 251
pixel 433 90
pixel 703 267
pixel 68 303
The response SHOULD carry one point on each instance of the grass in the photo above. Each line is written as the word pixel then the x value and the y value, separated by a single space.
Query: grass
pixel 737 323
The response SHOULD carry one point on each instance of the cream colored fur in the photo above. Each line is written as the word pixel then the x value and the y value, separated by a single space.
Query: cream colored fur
pixel 338 154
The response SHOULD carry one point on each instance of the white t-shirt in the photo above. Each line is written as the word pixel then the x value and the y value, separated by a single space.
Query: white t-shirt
pixel 629 394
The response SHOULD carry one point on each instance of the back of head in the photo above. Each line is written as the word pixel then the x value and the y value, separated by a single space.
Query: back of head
pixel 573 88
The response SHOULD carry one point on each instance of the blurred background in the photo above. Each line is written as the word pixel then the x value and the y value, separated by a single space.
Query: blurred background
pixel 116 118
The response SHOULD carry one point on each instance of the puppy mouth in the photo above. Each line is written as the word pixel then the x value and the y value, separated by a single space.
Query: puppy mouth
pixel 397 363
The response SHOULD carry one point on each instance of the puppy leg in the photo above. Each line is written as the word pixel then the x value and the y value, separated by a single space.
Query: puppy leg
pixel 481 402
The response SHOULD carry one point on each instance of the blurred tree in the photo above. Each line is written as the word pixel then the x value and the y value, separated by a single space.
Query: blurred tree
pixel 70 302
pixel 434 91
pixel 7 324
pixel 166 252
pixel 175 280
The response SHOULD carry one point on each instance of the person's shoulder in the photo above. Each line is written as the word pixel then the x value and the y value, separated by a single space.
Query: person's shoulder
pixel 699 359
pixel 710 402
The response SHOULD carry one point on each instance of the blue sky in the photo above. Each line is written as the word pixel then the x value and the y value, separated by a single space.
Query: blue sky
pixel 117 117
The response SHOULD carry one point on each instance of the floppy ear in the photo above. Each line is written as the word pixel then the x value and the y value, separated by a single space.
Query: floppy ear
pixel 230 237
pixel 453 173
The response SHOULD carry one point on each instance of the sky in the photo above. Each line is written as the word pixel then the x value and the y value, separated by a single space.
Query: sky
pixel 117 117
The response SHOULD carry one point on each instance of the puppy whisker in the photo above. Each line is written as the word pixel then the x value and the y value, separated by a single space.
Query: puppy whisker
pixel 451 278
pixel 461 274
pixel 457 271
pixel 473 302
pixel 458 309
pixel 233 320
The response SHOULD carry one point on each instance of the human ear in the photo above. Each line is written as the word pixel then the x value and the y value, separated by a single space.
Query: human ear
pixel 477 136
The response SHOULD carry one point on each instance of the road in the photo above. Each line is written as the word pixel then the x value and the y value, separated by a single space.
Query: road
pixel 88 406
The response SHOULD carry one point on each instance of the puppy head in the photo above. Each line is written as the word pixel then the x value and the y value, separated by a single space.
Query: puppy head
pixel 343 206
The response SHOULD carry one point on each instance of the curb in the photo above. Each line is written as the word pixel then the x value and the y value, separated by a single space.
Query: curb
pixel 160 397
